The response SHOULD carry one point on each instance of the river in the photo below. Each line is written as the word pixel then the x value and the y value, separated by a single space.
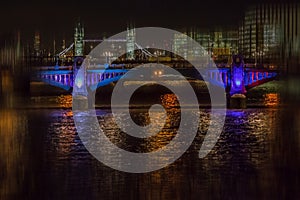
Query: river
pixel 42 157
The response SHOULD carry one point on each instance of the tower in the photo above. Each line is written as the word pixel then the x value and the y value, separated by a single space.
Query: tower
pixel 130 41
pixel 237 75
pixel 78 40
pixel 37 44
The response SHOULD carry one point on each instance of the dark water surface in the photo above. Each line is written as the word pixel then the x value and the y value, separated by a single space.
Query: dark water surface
pixel 256 157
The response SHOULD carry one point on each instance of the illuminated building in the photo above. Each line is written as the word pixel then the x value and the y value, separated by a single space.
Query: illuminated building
pixel 11 50
pixel 180 45
pixel 218 44
pixel 37 44
pixel 130 38
pixel 205 40
pixel 224 44
pixel 63 46
pixel 78 40
pixel 270 33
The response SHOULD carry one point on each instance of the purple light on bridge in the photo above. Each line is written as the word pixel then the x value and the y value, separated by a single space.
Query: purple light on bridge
pixel 237 74
pixel 79 82
pixel 238 82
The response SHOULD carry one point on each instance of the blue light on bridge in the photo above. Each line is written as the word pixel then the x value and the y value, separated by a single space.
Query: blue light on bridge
pixel 234 79
pixel 237 74
pixel 79 82
pixel 238 82
pixel 106 65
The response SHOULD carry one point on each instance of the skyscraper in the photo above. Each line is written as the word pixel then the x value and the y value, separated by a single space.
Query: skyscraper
pixel 37 44
pixel 271 33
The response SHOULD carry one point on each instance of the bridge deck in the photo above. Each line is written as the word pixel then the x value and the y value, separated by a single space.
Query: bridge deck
pixel 222 77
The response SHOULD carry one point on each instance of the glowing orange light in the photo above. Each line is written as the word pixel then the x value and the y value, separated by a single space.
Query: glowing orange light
pixel 169 100
pixel 271 99
pixel 65 101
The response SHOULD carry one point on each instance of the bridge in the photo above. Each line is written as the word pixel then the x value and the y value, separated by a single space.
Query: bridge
pixel 128 45
pixel 235 80
pixel 93 78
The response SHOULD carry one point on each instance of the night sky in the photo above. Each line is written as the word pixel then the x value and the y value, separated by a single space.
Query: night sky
pixel 56 19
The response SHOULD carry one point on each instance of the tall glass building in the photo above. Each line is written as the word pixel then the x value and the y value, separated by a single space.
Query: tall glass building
pixel 270 33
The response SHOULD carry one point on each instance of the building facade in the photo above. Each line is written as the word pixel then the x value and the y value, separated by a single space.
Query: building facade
pixel 270 34
pixel 219 44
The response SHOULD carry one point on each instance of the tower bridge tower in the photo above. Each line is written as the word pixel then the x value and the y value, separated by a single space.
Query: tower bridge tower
pixel 130 42
pixel 78 40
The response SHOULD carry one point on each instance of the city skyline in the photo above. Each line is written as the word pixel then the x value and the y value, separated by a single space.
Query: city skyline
pixel 108 18
pixel 265 32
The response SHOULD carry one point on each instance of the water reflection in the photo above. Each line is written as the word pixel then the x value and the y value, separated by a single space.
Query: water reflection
pixel 246 137
pixel 13 156
pixel 240 165
pixel 256 157
pixel 64 101
pixel 271 99
pixel 235 168
pixel 169 100
pixel 6 90
pixel 62 133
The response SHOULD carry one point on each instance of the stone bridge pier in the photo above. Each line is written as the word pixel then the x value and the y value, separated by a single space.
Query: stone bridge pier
pixel 236 96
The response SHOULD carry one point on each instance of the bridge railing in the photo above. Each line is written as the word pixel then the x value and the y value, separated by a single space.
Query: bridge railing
pixel 252 76
pixel 45 68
